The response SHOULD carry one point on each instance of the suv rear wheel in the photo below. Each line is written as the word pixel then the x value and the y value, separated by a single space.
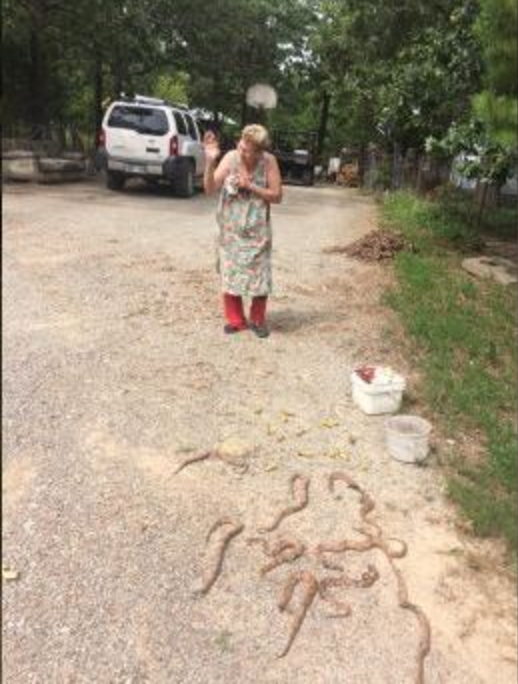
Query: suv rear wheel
pixel 184 182
pixel 114 181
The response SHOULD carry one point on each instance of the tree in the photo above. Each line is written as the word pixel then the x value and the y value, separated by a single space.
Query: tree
pixel 62 59
pixel 28 51
pixel 397 73
pixel 391 73
pixel 230 44
pixel 497 104
pixel 483 146
pixel 433 78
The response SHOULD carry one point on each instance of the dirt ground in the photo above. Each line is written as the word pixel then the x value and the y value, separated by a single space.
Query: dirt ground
pixel 116 370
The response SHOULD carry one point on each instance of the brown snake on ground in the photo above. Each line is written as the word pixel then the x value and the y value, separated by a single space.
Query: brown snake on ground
pixel 310 585
pixel 404 602
pixel 285 551
pixel 374 540
pixel 211 455
pixel 195 459
pixel 233 531
pixel 299 489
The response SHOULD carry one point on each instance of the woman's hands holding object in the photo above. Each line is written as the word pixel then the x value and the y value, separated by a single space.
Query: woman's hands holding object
pixel 244 182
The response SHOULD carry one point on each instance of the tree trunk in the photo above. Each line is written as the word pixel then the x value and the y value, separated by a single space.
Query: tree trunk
pixel 395 170
pixel 322 129
pixel 361 164
pixel 98 93
pixel 36 83
pixel 118 80
pixel 482 203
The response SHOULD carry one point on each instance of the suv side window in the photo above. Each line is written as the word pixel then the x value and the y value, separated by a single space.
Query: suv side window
pixel 180 123
pixel 141 119
pixel 193 131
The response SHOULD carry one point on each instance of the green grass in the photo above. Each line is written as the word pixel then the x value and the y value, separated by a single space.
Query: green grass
pixel 464 333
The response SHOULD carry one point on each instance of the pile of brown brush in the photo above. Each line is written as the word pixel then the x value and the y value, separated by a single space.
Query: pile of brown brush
pixel 375 246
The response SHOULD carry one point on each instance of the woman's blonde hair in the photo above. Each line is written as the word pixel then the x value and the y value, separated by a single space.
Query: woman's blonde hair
pixel 257 135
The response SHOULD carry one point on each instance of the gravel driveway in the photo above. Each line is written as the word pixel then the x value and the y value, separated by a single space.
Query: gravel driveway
pixel 116 370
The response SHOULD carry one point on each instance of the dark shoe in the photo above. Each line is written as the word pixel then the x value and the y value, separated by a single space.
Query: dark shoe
pixel 259 330
pixel 231 329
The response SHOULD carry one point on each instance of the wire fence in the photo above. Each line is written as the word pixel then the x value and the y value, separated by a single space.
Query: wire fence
pixel 394 171
pixel 377 170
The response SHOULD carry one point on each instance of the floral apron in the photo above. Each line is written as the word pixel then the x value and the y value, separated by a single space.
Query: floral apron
pixel 245 238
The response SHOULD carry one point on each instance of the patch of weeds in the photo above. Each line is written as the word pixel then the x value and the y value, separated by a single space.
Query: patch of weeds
pixel 465 340
pixel 431 225
pixel 490 513
pixel 501 222
pixel 223 641
pixel 498 221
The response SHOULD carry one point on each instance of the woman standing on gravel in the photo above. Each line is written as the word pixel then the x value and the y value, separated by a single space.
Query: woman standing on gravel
pixel 249 181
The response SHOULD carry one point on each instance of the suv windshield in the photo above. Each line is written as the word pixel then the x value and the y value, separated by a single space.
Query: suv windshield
pixel 140 119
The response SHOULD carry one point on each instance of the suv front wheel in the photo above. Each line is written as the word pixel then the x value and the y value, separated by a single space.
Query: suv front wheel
pixel 184 181
pixel 114 181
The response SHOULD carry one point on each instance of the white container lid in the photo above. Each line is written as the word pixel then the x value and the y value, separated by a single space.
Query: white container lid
pixel 387 381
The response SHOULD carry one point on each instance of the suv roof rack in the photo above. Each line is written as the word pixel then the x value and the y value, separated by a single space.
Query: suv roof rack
pixel 144 99
pixel 148 100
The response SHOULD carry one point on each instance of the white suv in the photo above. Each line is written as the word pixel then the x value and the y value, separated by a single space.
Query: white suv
pixel 151 139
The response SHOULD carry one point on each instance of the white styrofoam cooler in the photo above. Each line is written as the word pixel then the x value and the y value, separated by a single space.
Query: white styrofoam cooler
pixel 377 398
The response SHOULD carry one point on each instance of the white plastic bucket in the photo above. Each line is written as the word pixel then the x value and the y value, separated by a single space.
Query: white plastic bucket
pixel 375 398
pixel 408 438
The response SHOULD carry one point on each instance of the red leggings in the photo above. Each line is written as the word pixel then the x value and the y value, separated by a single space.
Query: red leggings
pixel 234 312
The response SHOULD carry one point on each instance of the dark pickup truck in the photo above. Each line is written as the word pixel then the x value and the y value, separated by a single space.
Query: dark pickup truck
pixel 296 154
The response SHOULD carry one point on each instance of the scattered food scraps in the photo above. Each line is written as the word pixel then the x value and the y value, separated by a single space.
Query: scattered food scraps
pixel 287 414
pixel 9 575
pixel 338 454
pixel 329 423
pixel 305 454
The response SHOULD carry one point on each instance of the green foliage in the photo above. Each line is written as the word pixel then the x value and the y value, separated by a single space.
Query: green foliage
pixel 490 515
pixel 500 112
pixel 398 74
pixel 497 104
pixel 496 28
pixel 228 45
pixel 478 156
pixel 465 332
pixel 432 81
pixel 172 88
pixel 74 53
pixel 431 225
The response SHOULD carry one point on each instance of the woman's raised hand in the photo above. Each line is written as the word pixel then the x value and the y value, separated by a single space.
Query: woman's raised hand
pixel 211 146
